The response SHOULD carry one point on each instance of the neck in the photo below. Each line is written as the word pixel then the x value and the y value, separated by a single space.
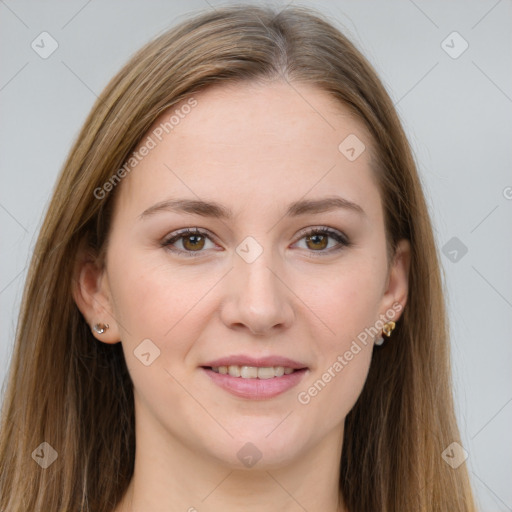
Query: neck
pixel 169 476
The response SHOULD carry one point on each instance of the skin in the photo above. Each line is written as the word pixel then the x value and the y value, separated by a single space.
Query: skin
pixel 253 148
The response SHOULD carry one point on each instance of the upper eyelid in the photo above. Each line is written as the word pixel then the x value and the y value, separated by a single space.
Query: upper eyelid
pixel 305 231
pixel 187 231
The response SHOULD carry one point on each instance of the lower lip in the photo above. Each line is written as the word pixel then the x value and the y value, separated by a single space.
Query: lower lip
pixel 256 389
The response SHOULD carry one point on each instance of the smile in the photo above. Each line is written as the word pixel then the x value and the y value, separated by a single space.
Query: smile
pixel 253 372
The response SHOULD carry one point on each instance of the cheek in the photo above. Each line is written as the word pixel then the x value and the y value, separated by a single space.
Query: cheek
pixel 341 371
pixel 153 302
pixel 333 392
pixel 156 300
pixel 346 302
pixel 150 307
pixel 168 305
pixel 349 308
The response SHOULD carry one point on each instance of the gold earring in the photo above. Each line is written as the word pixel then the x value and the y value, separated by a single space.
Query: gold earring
pixel 100 328
pixel 386 330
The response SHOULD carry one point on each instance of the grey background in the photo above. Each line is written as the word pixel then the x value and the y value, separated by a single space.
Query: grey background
pixel 456 112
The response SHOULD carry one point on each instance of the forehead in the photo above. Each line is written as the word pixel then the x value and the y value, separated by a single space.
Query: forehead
pixel 250 117
pixel 252 143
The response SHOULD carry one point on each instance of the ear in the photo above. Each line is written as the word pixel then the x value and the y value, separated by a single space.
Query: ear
pixel 92 296
pixel 397 286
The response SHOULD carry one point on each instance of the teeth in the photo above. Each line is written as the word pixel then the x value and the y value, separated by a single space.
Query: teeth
pixel 279 371
pixel 253 372
pixel 234 371
pixel 250 372
pixel 267 373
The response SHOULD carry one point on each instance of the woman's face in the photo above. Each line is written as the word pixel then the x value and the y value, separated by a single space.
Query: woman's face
pixel 254 287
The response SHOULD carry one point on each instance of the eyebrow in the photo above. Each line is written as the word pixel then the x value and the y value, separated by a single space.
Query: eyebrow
pixel 218 211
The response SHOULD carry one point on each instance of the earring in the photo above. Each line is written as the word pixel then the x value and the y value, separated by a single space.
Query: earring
pixel 100 328
pixel 386 330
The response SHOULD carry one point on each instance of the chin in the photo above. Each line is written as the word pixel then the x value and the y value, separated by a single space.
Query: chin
pixel 259 447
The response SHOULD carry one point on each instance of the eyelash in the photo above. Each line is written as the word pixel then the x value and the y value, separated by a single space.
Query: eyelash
pixel 342 240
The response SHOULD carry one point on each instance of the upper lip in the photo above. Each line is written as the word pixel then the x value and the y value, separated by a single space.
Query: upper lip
pixel 244 360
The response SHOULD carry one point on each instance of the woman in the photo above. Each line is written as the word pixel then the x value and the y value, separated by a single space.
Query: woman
pixel 235 299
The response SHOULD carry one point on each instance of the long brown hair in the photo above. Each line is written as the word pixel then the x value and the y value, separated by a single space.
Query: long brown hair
pixel 75 393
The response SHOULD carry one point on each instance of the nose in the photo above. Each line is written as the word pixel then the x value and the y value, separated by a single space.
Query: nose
pixel 258 298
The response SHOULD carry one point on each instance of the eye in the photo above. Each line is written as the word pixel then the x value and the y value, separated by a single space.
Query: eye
pixel 192 241
pixel 317 240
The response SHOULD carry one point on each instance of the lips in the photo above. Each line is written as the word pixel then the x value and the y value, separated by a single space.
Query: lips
pixel 251 385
